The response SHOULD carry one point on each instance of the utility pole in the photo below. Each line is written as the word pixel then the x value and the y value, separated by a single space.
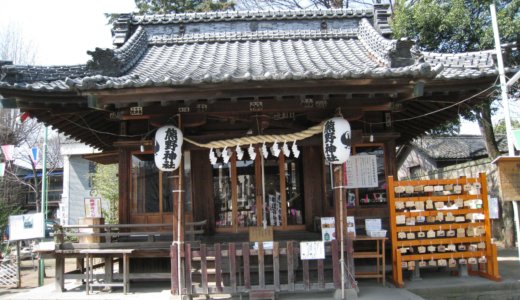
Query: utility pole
pixel 44 202
pixel 505 103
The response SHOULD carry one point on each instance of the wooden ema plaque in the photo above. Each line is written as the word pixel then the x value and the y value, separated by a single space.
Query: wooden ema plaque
pixel 259 234
pixel 509 177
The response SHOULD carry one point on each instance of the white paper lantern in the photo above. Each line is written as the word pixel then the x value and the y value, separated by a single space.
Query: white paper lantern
pixel 336 140
pixel 168 146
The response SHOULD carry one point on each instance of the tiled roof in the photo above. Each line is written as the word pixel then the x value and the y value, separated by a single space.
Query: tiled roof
pixel 461 147
pixel 228 16
pixel 200 48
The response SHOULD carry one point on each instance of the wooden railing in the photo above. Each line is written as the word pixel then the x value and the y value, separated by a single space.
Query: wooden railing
pixel 242 267
pixel 116 233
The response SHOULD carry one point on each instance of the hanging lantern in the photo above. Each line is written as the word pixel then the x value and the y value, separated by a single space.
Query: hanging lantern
pixel 168 144
pixel 336 140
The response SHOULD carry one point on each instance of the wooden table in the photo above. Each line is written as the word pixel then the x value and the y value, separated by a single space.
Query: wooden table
pixel 91 253
pixel 379 255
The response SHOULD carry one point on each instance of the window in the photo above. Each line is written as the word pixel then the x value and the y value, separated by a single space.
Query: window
pixel 237 186
pixel 415 171
pixel 151 189
pixel 222 194
pixel 294 191
pixel 145 183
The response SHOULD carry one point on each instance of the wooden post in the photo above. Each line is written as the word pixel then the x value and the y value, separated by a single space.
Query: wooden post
pixel 247 271
pixel 393 229
pixel 204 268
pixel 335 267
pixel 59 282
pixel 187 269
pixel 306 275
pixel 321 275
pixel 174 275
pixel 18 277
pixel 232 267
pixel 290 266
pixel 218 268
pixel 261 265
pixel 276 265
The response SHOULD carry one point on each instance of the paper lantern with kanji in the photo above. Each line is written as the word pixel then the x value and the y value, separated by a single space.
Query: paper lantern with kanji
pixel 168 144
pixel 336 140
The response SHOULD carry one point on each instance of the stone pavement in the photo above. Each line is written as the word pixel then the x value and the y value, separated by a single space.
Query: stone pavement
pixel 434 285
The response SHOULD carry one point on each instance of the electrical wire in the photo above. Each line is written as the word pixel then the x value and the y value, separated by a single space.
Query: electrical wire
pixel 438 110
pixel 265 138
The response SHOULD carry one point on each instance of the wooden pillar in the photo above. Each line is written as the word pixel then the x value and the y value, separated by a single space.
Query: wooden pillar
pixel 312 184
pixel 124 185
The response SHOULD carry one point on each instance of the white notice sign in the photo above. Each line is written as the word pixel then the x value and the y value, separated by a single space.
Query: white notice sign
pixel 361 171
pixel 493 207
pixel 312 250
pixel 26 227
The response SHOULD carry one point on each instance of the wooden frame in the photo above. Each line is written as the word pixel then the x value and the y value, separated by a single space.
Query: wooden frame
pixel 136 217
pixel 259 196
pixel 488 269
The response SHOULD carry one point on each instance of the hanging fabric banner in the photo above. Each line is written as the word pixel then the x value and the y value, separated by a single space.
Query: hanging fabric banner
pixel 8 151
pixel 2 169
pixel 336 140
pixel 168 144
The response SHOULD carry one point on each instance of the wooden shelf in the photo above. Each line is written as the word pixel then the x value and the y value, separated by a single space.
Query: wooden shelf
pixel 378 255
pixel 399 260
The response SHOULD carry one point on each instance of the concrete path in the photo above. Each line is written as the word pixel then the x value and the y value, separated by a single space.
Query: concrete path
pixel 434 285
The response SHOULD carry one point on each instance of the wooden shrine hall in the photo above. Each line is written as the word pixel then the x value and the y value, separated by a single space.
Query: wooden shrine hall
pixel 249 91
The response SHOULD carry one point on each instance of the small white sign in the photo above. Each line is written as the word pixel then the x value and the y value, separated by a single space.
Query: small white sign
pixel 351 225
pixel 493 207
pixel 328 229
pixel 26 227
pixel 373 224
pixel 312 250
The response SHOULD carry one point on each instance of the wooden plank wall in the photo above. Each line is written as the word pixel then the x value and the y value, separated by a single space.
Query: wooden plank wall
pixel 312 184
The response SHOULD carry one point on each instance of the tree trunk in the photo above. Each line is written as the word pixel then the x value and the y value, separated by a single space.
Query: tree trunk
pixel 506 223
pixel 483 114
